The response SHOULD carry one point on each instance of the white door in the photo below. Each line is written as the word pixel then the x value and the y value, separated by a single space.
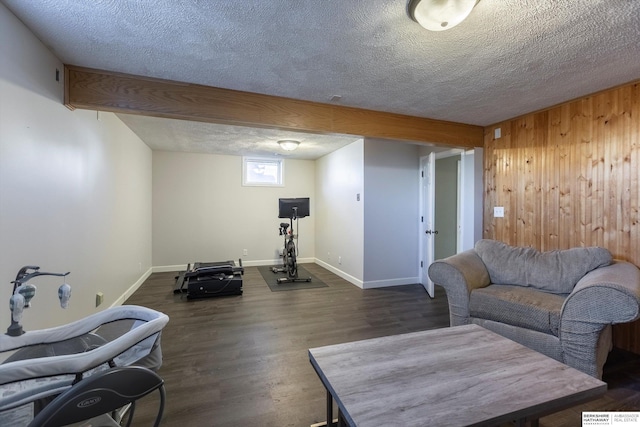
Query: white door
pixel 427 218
pixel 469 210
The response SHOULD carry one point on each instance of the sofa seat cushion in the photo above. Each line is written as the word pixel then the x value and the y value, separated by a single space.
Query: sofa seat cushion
pixel 553 271
pixel 518 306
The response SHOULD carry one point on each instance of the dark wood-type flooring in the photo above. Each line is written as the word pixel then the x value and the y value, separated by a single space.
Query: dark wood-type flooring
pixel 242 360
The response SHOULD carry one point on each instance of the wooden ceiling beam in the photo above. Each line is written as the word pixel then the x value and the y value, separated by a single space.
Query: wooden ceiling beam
pixel 121 93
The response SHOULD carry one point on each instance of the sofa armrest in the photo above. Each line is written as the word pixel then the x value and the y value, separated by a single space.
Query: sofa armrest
pixel 459 275
pixel 604 296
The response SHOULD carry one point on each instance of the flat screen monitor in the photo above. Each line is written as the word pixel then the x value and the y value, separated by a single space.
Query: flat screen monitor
pixel 285 207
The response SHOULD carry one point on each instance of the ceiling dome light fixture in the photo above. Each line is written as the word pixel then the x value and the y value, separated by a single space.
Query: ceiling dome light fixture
pixel 289 144
pixel 439 15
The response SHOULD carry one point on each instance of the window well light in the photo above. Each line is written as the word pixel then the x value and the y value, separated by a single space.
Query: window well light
pixel 439 15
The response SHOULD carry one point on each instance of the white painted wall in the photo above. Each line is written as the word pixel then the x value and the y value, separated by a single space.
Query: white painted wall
pixel 391 209
pixel 339 244
pixel 75 192
pixel 202 213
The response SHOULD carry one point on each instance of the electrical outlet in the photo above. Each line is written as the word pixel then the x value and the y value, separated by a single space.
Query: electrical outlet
pixel 498 211
pixel 99 298
pixel 340 260
pixel 245 252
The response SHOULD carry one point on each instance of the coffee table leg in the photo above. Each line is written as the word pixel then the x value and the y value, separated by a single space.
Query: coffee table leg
pixel 330 421
pixel 329 409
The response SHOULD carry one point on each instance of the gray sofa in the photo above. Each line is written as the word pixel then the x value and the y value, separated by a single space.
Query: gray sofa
pixel 560 303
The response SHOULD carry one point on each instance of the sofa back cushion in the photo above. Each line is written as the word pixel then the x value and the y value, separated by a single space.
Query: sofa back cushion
pixel 553 271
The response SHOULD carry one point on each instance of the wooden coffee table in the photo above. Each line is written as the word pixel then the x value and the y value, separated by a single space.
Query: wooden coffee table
pixel 459 376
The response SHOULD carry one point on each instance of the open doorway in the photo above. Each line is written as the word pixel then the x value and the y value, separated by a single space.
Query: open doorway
pixel 450 206
pixel 447 203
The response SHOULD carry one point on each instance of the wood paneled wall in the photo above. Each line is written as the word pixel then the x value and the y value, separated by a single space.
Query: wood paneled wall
pixel 570 176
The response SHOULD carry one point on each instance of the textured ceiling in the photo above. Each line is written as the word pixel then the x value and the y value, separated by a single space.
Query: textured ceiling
pixel 197 137
pixel 508 58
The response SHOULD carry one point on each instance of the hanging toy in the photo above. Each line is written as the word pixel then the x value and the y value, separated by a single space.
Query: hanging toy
pixel 28 291
pixel 16 305
pixel 23 293
pixel 64 293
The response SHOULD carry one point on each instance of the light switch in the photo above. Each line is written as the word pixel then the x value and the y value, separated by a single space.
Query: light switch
pixel 498 211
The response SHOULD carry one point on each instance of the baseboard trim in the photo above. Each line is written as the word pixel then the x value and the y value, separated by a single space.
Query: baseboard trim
pixel 372 284
pixel 254 263
pixel 169 268
pixel 132 289
pixel 278 261
pixel 349 278
pixel 391 282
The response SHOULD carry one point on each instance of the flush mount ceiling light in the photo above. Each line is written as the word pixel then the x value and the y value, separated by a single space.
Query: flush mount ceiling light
pixel 439 15
pixel 289 144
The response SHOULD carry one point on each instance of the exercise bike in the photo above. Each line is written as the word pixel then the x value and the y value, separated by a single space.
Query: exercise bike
pixel 289 253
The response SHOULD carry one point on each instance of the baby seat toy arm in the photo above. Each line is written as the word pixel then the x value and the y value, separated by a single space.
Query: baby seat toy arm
pixel 23 293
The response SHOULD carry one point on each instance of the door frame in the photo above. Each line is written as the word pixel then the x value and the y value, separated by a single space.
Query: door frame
pixel 426 220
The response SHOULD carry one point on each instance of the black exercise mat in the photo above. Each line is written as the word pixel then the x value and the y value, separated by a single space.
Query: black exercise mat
pixel 272 280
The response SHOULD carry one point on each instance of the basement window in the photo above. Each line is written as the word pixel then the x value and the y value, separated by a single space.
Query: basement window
pixel 262 171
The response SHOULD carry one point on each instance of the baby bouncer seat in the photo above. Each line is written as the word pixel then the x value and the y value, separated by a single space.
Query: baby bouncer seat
pixel 100 394
pixel 94 368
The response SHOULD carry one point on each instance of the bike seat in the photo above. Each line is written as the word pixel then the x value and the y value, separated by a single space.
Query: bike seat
pixel 284 225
